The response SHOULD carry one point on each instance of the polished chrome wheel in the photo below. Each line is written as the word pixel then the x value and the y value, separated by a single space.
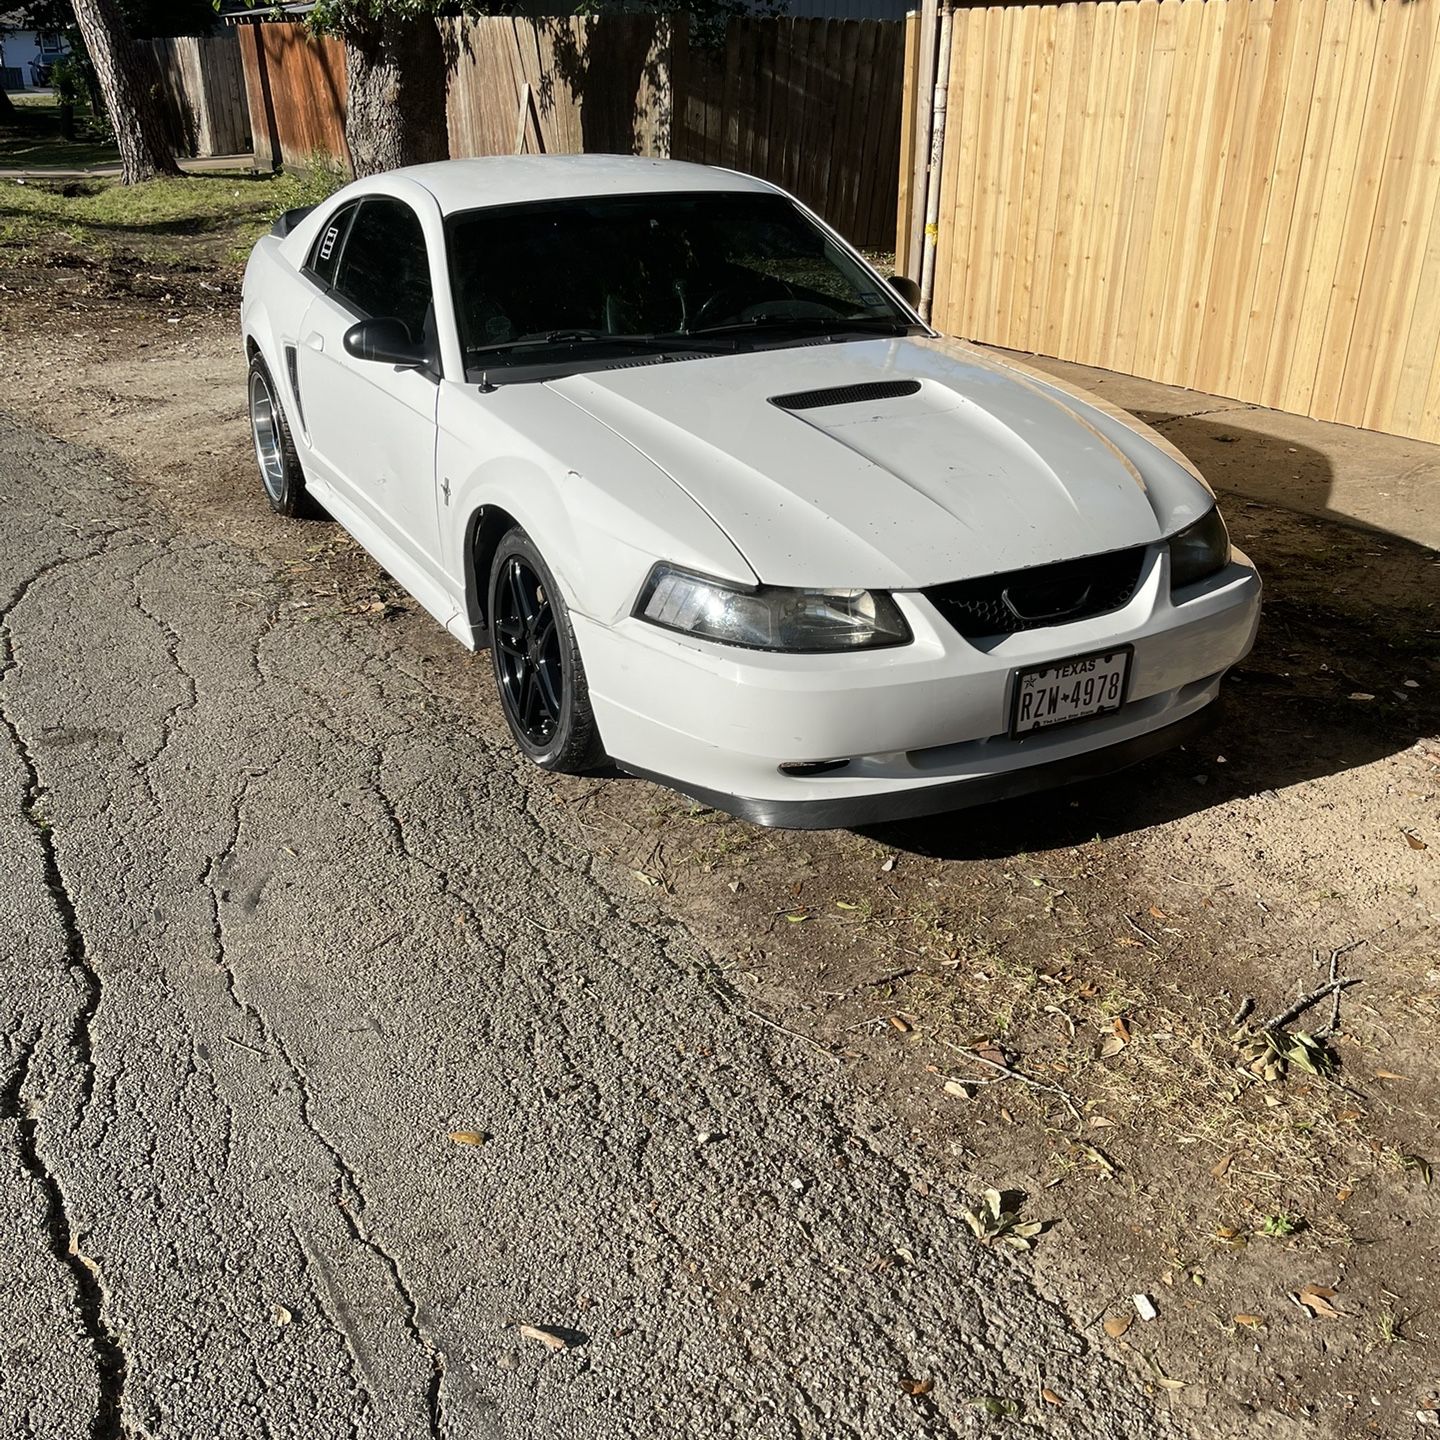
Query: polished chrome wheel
pixel 265 427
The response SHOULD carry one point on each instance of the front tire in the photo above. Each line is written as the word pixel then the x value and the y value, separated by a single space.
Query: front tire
pixel 538 671
pixel 275 453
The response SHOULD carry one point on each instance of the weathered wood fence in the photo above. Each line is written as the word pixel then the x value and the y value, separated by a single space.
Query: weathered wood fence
pixel 202 92
pixel 813 105
pixel 295 82
pixel 1241 196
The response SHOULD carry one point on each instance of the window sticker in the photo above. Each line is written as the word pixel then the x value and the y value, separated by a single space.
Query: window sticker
pixel 328 243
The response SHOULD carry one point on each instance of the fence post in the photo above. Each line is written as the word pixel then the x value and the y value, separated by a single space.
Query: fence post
pixel 264 133
pixel 937 151
pixel 923 97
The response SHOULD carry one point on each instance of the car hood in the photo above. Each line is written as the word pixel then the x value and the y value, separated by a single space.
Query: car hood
pixel 895 463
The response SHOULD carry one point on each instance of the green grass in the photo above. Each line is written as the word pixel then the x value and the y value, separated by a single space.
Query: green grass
pixel 195 219
pixel 37 144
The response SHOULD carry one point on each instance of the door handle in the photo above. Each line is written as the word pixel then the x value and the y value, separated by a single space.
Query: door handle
pixel 314 341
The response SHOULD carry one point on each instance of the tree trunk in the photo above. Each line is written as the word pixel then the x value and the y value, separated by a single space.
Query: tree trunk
pixel 9 115
pixel 125 82
pixel 395 109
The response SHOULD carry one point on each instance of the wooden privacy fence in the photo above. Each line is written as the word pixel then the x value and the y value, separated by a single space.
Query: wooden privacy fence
pixel 1238 196
pixel 202 93
pixel 813 105
pixel 295 82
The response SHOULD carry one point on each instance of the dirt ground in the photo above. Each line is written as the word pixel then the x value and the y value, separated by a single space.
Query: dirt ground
pixel 1098 943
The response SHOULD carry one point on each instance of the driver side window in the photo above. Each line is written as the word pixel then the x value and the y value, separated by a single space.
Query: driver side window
pixel 385 270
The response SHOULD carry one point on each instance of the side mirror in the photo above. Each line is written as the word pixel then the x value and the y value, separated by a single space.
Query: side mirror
pixel 385 341
pixel 907 289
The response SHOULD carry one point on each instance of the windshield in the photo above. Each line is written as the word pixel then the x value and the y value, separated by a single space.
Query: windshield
pixel 580 280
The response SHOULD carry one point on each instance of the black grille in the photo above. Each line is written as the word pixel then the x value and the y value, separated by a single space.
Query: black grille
pixel 846 394
pixel 1044 595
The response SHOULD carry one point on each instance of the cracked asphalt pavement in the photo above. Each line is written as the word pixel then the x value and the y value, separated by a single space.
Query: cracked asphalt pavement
pixel 275 919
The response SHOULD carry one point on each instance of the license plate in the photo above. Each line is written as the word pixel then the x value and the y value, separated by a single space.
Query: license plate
pixel 1067 690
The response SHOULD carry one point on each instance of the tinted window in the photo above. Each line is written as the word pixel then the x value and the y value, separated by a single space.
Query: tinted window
pixel 384 270
pixel 655 264
pixel 326 251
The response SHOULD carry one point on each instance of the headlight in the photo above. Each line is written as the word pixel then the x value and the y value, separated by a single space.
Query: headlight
pixel 1199 550
pixel 770 618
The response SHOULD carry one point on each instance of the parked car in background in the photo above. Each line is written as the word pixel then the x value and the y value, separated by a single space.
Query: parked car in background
pixel 27 54
pixel 723 508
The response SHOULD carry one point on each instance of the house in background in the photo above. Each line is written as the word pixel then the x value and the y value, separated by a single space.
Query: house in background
pixel 26 55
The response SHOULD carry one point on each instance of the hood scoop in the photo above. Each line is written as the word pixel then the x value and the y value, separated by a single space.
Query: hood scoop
pixel 847 394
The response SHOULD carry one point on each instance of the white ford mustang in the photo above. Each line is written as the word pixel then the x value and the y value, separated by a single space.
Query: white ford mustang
pixel 721 506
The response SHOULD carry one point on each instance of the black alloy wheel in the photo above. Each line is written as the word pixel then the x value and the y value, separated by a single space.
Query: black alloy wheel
pixel 537 662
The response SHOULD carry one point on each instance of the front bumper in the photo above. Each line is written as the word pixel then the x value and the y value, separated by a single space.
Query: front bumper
pixel 924 727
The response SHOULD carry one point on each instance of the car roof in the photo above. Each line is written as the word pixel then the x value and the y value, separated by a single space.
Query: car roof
pixel 509 179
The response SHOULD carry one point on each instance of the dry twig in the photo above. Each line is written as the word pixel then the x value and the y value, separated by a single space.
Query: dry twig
pixel 1306 1001
pixel 1011 1074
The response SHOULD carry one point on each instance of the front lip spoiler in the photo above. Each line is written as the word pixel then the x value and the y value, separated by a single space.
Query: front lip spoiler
pixel 848 812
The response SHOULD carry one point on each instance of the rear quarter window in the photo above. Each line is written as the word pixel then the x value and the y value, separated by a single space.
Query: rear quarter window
pixel 324 259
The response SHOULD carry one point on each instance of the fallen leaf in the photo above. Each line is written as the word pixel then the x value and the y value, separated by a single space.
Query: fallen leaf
pixel 1344 1193
pixel 1253 1321
pixel 1414 841
pixel 1360 695
pixel 1316 1299
pixel 1389 1075
pixel 901 1024
pixel 1100 1122
pixel 995 1407
pixel 1051 1398
pixel 1097 1157
pixel 1162 1379
pixel 1113 1046
pixel 797 917
pixel 1117 1325
pixel 1417 1163
pixel 916 1388
pixel 280 1315
pixel 845 905
pixel 468 1137
pixel 1158 913
pixel 889 864
pixel 552 1340
pixel 1121 1029
pixel 960 1089
pixel 1219 1168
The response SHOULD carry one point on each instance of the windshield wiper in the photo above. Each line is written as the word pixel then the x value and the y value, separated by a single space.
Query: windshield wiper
pixel 660 344
pixel 824 324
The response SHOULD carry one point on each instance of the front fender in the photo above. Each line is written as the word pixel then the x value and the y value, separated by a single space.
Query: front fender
pixel 600 512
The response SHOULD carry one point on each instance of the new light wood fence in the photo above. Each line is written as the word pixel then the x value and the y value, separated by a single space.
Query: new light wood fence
pixel 202 93
pixel 1238 196
pixel 813 105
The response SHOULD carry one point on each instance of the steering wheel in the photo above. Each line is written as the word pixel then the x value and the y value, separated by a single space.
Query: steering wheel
pixel 739 302
pixel 725 304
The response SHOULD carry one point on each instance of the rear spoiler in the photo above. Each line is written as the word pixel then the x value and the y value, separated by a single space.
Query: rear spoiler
pixel 289 220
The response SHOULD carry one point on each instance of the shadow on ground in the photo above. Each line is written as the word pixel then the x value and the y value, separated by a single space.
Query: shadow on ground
pixel 1348 612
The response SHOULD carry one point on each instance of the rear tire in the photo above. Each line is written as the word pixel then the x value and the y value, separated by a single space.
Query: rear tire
pixel 538 670
pixel 275 452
